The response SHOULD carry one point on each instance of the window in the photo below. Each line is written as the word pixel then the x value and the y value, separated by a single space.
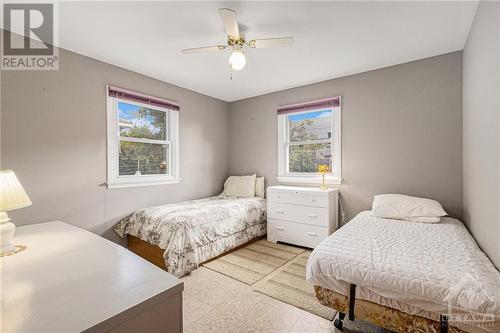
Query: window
pixel 309 136
pixel 143 144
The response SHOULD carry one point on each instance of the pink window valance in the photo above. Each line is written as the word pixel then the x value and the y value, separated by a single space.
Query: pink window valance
pixel 142 98
pixel 308 106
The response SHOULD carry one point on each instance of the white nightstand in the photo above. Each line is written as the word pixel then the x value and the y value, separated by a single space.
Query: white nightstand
pixel 301 215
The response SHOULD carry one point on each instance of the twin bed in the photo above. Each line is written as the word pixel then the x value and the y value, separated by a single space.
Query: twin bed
pixel 407 276
pixel 400 275
pixel 180 237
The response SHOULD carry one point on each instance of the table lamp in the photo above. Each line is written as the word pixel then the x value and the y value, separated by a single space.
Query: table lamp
pixel 12 196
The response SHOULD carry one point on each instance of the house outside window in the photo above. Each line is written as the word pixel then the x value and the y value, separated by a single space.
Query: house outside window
pixel 309 136
pixel 143 139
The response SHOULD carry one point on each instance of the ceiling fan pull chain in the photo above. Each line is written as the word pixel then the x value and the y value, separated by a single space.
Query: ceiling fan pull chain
pixel 230 73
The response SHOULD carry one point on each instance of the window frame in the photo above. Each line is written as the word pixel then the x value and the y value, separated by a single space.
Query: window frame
pixel 114 179
pixel 335 141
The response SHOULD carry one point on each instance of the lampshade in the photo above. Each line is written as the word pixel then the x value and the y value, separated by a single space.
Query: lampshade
pixel 12 193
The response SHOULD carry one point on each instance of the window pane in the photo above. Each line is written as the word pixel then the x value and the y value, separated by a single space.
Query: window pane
pixel 307 157
pixel 140 122
pixel 310 125
pixel 138 158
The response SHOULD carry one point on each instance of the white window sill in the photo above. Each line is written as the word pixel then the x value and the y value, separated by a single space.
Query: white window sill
pixel 142 182
pixel 313 180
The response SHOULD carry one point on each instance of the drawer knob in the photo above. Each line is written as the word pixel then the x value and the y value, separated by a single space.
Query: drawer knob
pixel 280 228
pixel 312 216
pixel 279 211
pixel 312 234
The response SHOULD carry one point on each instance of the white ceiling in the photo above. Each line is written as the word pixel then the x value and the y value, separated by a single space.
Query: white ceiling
pixel 332 39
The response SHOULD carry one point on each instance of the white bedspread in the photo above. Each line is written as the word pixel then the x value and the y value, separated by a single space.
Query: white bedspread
pixel 192 232
pixel 434 267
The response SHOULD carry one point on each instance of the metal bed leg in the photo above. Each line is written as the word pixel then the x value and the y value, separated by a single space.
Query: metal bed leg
pixel 352 301
pixel 338 322
pixel 443 321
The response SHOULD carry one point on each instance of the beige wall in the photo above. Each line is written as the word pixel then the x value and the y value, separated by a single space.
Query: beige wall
pixel 481 126
pixel 53 134
pixel 401 132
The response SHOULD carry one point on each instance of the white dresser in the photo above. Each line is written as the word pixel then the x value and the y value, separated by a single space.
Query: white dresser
pixel 301 215
pixel 71 280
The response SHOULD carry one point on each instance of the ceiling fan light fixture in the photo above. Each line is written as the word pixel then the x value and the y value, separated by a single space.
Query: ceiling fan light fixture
pixel 237 60
pixel 237 42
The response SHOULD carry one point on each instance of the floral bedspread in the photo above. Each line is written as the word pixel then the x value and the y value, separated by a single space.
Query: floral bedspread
pixel 192 232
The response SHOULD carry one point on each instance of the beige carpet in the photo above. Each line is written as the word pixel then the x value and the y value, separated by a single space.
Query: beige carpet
pixel 275 270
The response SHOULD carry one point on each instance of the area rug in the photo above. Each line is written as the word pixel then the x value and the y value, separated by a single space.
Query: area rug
pixel 288 284
pixel 275 270
pixel 254 261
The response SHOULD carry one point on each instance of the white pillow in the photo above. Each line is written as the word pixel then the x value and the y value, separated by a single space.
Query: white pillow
pixel 403 207
pixel 259 187
pixel 240 186
pixel 424 219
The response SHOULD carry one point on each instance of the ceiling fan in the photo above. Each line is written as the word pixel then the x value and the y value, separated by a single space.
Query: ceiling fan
pixel 237 42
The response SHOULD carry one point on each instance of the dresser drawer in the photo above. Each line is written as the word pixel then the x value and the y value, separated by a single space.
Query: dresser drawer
pixel 300 214
pixel 298 198
pixel 295 233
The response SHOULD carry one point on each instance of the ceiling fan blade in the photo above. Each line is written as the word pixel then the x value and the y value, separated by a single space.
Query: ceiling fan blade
pixel 204 49
pixel 271 42
pixel 228 17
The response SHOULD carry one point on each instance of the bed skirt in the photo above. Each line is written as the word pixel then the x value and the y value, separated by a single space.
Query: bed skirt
pixel 380 315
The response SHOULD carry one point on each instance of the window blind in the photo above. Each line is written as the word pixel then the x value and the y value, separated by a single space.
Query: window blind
pixel 308 106
pixel 142 98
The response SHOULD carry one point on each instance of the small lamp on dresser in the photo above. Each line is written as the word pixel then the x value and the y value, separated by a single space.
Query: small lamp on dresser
pixel 12 196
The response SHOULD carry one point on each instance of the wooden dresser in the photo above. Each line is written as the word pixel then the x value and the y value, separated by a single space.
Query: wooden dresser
pixel 71 280
pixel 301 215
